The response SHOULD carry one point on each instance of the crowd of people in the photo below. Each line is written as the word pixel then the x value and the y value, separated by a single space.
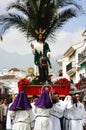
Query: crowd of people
pixel 44 112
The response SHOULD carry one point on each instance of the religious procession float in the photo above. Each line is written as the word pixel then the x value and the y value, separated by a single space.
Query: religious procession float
pixel 62 86
pixel 39 20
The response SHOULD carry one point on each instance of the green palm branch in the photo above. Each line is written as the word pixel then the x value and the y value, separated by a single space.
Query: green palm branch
pixel 30 15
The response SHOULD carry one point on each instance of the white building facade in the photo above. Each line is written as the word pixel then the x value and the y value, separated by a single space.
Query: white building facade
pixel 9 79
pixel 73 62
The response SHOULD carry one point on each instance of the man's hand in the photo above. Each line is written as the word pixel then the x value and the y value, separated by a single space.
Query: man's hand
pixel 49 56
pixel 32 46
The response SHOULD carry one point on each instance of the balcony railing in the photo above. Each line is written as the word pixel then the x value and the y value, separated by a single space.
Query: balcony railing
pixel 82 56
pixel 71 68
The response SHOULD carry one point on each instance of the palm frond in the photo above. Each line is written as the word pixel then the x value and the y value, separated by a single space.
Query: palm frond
pixel 13 20
pixel 67 14
pixel 45 14
pixel 19 7
pixel 63 3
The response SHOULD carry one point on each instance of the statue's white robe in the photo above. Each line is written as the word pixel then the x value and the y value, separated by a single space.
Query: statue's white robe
pixel 39 47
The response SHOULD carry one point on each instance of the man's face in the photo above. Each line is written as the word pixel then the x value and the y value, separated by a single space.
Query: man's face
pixel 5 101
pixel 57 97
pixel 40 36
pixel 35 99
pixel 77 97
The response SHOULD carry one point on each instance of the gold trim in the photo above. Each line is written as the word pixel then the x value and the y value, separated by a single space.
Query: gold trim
pixel 40 31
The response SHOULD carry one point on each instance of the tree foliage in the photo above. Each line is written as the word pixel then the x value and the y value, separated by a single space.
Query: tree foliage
pixel 30 15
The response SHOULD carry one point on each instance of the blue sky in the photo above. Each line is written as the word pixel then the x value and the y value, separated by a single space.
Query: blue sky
pixel 76 23
pixel 15 42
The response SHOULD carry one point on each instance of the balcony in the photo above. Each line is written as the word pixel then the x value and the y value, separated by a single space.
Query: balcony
pixel 82 57
pixel 71 68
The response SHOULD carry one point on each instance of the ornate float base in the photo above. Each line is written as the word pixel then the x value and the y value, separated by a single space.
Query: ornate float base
pixel 37 89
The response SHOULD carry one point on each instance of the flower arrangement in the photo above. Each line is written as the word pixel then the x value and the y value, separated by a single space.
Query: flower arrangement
pixel 63 82
pixel 23 83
